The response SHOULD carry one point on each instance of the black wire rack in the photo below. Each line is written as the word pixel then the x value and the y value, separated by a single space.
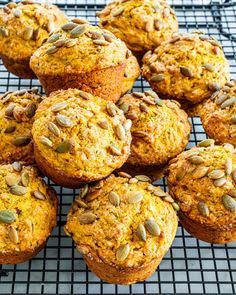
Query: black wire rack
pixel 190 266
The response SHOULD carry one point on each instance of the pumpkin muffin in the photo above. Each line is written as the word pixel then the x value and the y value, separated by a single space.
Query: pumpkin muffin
pixel 17 110
pixel 219 115
pixel 141 24
pixel 132 72
pixel 202 181
pixel 123 227
pixel 23 28
pixel 190 67
pixel 82 56
pixel 160 129
pixel 79 138
pixel 28 213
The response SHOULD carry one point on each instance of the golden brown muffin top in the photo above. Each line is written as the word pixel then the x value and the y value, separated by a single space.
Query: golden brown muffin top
pixel 141 24
pixel 28 208
pixel 122 221
pixel 188 67
pixel 78 48
pixel 17 110
pixel 218 114
pixel 202 181
pixel 160 129
pixel 25 26
pixel 81 134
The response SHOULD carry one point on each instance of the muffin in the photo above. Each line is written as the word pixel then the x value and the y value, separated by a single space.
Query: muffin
pixel 82 56
pixel 28 213
pixel 23 28
pixel 190 67
pixel 122 228
pixel 202 181
pixel 17 110
pixel 79 138
pixel 219 115
pixel 193 110
pixel 160 129
pixel 141 24
pixel 132 72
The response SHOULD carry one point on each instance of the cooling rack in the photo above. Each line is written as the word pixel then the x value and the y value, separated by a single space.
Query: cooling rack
pixel 190 266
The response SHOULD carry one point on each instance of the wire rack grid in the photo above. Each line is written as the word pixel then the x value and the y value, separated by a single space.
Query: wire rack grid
pixel 190 266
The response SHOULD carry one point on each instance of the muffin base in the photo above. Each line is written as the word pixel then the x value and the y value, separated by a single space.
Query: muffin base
pixel 206 234
pixel 117 275
pixel 19 68
pixel 106 83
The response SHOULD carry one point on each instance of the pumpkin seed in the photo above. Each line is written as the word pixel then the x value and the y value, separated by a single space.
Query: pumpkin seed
pixel 157 78
pixel 168 199
pixel 115 150
pixel 93 195
pixel 216 174
pixel 228 166
pixel 36 34
pixel 200 172
pixel 54 129
pixel 131 115
pixel 95 35
pixel 149 25
pixel 65 146
pixel 228 146
pixel 127 125
pixel 3 32
pixel 158 25
pixel 152 227
pixel 52 50
pixel 79 21
pixel 133 180
pixel 28 33
pixel 229 102
pixel 135 198
pixel 21 141
pixel 229 203
pixel 70 43
pixel 124 107
pixel 12 179
pixel 215 95
pixel 181 172
pixel 124 174
pixel 141 232
pixel 233 118
pixel 206 142
pixel 78 31
pixel 143 107
pixel 10 129
pixel 174 39
pixel 151 93
pixel 17 166
pixel 16 12
pixel 69 26
pixel 137 94
pixel 118 11
pixel 214 86
pixel 101 42
pixel 108 37
pixel 160 193
pixel 232 193
pixel 60 43
pixel 87 218
pixel 38 195
pixel 7 216
pixel 143 178
pixel 13 235
pixel 220 182
pixel 82 250
pixel 84 95
pixel 114 198
pixel 234 175
pixel 166 12
pixel 30 109
pixel 45 141
pixel 25 179
pixel 9 110
pixel 53 38
pixel 176 206
pixel 103 124
pixel 81 203
pixel 18 113
pixel 59 106
pixel 209 67
pixel 63 121
pixel 203 209
pixel 196 160
pixel 158 101
pixel 111 109
pixel 84 191
pixel 185 71
pixel 120 132
pixel 122 252
pixel 140 133
pixel 18 190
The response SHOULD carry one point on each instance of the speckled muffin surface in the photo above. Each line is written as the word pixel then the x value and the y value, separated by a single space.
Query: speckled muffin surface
pixel 82 56
pixel 122 228
pixel 79 138
pixel 141 24
pixel 28 209
pixel 23 28
pixel 190 67
pixel 160 129
pixel 219 115
pixel 202 181
pixel 17 110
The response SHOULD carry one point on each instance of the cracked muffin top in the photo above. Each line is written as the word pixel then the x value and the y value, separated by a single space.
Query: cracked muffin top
pixel 81 135
pixel 141 24
pixel 188 67
pixel 160 129
pixel 122 222
pixel 218 114
pixel 17 110
pixel 202 181
pixel 25 26
pixel 77 48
